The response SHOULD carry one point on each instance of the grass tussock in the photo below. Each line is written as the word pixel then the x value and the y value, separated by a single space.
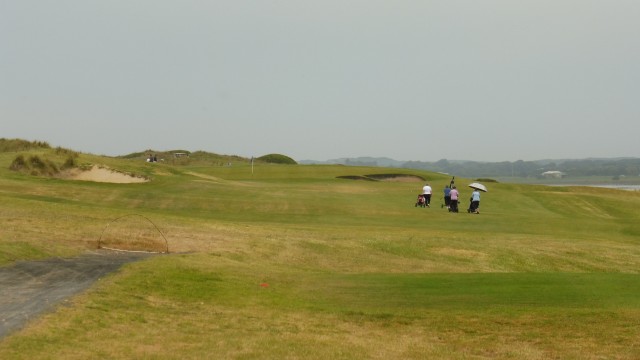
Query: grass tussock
pixel 34 165
pixel 14 145
pixel 45 164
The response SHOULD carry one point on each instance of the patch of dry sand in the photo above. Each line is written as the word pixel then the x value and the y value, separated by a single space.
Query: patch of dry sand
pixel 102 174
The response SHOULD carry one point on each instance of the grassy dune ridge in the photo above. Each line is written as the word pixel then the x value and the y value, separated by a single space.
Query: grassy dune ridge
pixel 290 261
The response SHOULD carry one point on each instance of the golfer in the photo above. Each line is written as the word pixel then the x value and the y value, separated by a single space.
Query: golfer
pixel 447 196
pixel 453 207
pixel 426 193
pixel 475 202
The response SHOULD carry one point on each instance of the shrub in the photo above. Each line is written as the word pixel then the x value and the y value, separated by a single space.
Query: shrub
pixel 70 162
pixel 277 159
pixel 36 163
pixel 51 168
pixel 18 163
pixel 85 166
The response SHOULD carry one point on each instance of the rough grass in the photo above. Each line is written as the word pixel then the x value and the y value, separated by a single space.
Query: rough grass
pixel 293 262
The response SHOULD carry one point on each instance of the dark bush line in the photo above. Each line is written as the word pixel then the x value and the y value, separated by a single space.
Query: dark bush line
pixel 391 176
pixel 355 177
pixel 379 177
pixel 487 180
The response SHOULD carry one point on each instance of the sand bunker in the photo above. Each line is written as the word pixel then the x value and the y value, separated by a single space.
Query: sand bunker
pixel 102 174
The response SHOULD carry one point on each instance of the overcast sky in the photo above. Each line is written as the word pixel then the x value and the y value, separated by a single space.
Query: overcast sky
pixel 487 80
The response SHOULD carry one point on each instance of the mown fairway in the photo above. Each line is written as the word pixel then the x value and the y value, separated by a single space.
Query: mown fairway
pixel 292 262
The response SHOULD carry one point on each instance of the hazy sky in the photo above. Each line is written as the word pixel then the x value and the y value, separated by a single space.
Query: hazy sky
pixel 411 80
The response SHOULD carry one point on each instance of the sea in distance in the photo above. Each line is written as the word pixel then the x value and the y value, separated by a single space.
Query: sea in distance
pixel 616 186
pixel 630 183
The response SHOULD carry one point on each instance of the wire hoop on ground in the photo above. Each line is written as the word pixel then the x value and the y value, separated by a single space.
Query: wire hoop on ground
pixel 133 233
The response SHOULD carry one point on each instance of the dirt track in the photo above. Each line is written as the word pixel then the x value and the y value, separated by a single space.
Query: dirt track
pixel 28 288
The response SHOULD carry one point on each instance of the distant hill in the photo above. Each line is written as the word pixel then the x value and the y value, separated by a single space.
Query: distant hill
pixel 572 167
pixel 360 161
pixel 192 155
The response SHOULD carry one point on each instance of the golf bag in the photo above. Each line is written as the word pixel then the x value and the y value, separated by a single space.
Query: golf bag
pixel 421 202
pixel 473 206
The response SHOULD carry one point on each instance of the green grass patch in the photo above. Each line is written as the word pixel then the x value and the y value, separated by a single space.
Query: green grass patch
pixel 412 294
pixel 12 251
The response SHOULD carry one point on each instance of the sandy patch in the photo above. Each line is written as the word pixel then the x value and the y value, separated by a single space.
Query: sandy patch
pixel 102 174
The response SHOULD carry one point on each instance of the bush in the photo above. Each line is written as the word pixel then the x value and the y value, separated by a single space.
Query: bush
pixel 277 159
pixel 19 163
pixel 70 162
pixel 36 163
pixel 42 167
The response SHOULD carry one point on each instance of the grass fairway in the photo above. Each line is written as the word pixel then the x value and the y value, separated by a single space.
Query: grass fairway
pixel 293 262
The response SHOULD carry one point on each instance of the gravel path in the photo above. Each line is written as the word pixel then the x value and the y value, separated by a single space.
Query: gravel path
pixel 28 288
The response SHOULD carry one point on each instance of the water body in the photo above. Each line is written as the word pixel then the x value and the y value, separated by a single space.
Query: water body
pixel 619 187
pixel 606 186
